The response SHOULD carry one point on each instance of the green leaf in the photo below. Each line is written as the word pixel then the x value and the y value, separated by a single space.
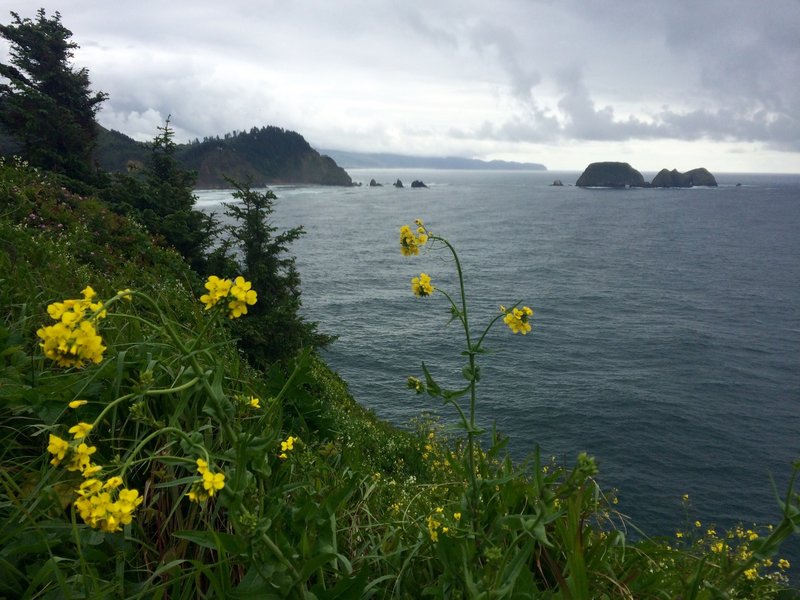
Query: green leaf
pixel 433 387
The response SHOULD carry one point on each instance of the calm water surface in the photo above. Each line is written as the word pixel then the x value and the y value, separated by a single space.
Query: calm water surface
pixel 666 334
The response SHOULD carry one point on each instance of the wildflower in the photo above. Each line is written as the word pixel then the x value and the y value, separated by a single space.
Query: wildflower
pixel 698 524
pixel 238 290
pixel 518 320
pixel 58 448
pixel 783 564
pixel 98 507
pixel 71 343
pixel 77 403
pixel 288 444
pixel 213 482
pixel 409 242
pixel 254 402
pixel 127 294
pixel 243 296
pixel 685 498
pixel 433 527
pixel 91 470
pixel 751 574
pixel 208 484
pixel 718 547
pixel 81 457
pixel 679 534
pixel 217 290
pixel 416 385
pixel 112 483
pixel 80 430
pixel 421 286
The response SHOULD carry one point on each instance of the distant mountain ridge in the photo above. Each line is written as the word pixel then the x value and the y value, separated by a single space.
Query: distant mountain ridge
pixel 262 156
pixel 364 160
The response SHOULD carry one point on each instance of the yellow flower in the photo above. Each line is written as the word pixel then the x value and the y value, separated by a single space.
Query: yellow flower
pixel 91 470
pixel 81 457
pixel 288 444
pixel 718 547
pixel 518 320
pixel 421 286
pixel 254 402
pixel 77 403
pixel 415 384
pixel 71 343
pixel 80 430
pixel 202 466
pixel 243 296
pixel 127 294
pixel 217 290
pixel 112 483
pixel 213 482
pixel 698 524
pixel 409 242
pixel 457 516
pixel 751 574
pixel 783 564
pixel 58 448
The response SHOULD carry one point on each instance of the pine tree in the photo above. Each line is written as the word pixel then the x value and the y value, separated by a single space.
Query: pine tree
pixel 274 329
pixel 46 104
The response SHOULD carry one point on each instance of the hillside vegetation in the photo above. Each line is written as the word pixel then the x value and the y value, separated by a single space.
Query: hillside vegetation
pixel 165 465
pixel 262 156
pixel 168 431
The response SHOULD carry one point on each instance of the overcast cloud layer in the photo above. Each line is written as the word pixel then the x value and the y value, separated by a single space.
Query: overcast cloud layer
pixel 678 83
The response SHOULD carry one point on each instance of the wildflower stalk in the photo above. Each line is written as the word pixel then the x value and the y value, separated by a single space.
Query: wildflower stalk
pixel 463 316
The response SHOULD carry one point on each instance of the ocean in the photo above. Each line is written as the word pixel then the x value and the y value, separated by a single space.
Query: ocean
pixel 666 326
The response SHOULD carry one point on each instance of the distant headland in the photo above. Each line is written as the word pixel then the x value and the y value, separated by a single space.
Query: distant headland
pixel 622 175
pixel 362 160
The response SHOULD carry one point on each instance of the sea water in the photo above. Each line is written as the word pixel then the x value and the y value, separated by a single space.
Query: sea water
pixel 666 331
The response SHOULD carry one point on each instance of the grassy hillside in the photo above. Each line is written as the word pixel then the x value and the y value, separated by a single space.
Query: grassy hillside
pixel 156 463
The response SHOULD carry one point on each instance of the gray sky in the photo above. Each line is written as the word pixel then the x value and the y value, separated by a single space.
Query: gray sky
pixel 657 83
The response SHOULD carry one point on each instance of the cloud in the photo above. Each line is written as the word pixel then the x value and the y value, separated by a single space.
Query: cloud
pixel 452 74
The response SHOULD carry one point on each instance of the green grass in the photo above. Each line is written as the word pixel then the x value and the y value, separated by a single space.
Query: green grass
pixel 357 508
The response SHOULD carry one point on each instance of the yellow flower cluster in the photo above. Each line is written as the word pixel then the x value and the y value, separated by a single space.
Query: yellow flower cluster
pixel 238 293
pixel 208 485
pixel 73 340
pixel 103 505
pixel 518 319
pixel 410 241
pixel 287 446
pixel 421 286
pixel 106 505
pixel 437 522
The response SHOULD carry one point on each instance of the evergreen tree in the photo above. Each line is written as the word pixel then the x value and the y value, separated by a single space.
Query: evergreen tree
pixel 274 329
pixel 45 104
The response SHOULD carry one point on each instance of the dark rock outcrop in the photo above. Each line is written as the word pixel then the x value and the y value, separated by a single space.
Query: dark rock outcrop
pixel 418 184
pixel 373 183
pixel 557 183
pixel 610 174
pixel 675 178
pixel 398 184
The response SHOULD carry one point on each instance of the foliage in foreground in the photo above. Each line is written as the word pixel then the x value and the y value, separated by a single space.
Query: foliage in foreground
pixel 165 466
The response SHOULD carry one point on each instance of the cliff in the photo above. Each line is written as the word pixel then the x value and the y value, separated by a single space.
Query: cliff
pixel 610 174
pixel 264 156
pixel 675 178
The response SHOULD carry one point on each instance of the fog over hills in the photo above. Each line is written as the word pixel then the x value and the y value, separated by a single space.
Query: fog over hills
pixel 363 160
